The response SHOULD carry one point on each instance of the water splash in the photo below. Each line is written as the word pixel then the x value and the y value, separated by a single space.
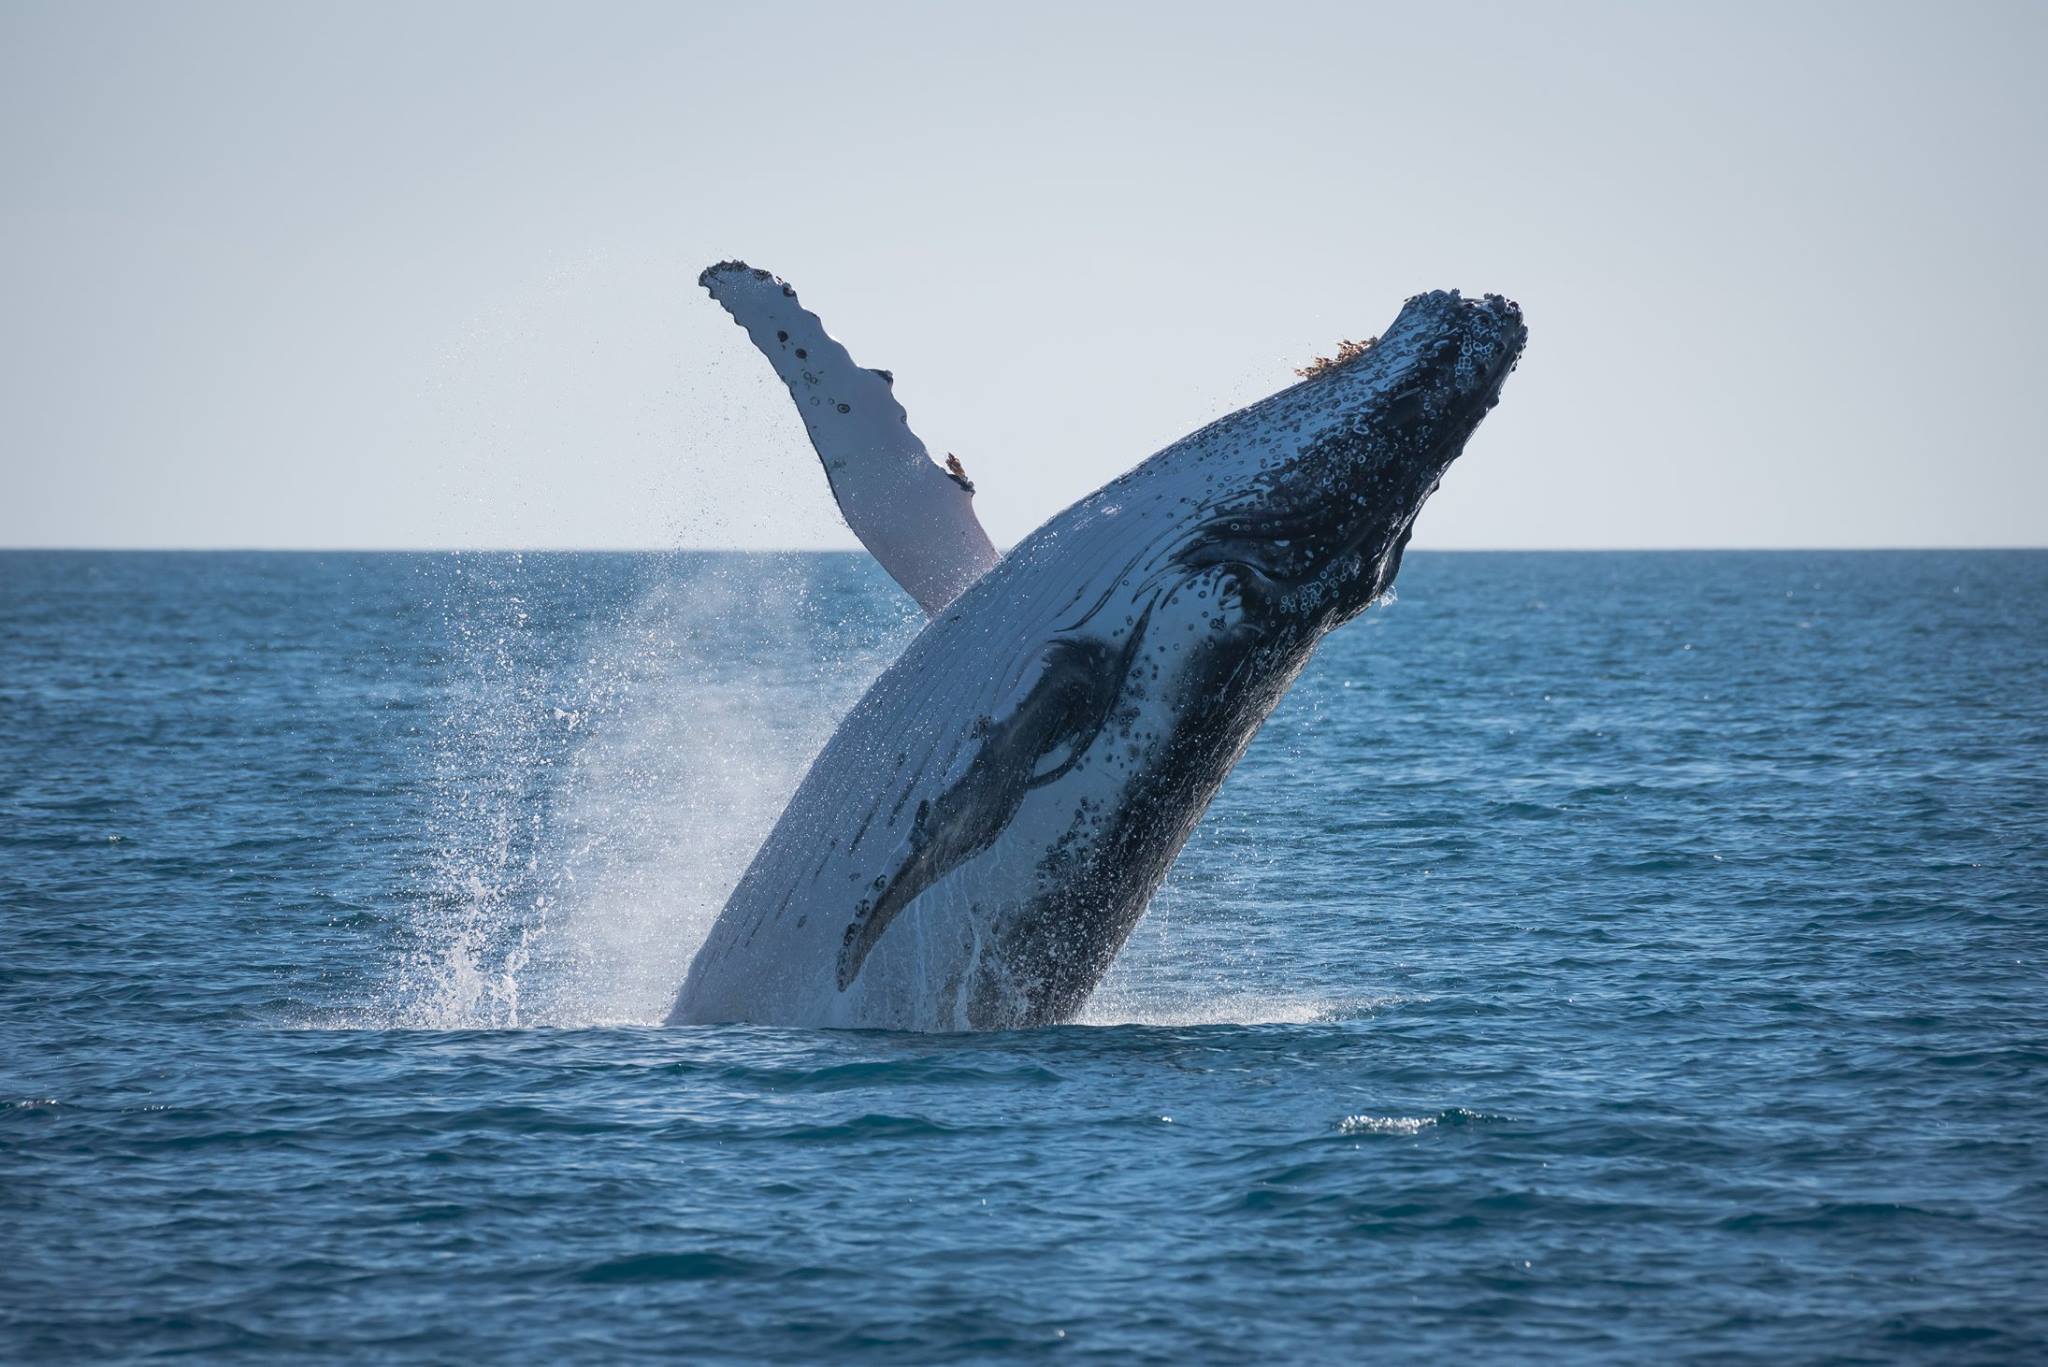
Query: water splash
pixel 600 785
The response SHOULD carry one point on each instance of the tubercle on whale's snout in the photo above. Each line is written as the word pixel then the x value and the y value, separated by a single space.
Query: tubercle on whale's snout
pixel 1319 534
pixel 1473 342
pixel 1492 320
pixel 1489 334
pixel 1498 307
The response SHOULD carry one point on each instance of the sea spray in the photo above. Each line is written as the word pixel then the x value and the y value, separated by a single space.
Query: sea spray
pixel 600 787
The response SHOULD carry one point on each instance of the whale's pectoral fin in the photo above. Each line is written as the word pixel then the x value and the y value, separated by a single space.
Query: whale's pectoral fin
pixel 1058 710
pixel 914 516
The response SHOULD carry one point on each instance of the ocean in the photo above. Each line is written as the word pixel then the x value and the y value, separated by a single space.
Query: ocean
pixel 1598 957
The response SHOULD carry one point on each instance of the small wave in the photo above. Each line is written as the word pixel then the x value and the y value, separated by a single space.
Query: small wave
pixel 671 1267
pixel 1411 1124
pixel 864 1127
pixel 878 1073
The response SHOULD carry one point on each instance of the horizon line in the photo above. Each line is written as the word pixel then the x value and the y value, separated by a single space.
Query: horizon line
pixel 856 550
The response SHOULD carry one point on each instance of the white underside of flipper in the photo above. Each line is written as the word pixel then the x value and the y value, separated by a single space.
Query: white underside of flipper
pixel 914 517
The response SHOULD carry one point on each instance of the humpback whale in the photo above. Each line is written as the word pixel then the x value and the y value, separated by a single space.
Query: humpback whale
pixel 983 831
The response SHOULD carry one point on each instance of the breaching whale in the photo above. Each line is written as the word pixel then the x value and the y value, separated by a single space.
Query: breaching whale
pixel 984 829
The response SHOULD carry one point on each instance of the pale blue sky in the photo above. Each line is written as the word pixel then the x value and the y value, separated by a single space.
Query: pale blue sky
pixel 364 275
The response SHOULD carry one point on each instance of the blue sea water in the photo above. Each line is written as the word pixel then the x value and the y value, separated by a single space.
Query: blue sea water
pixel 1598 957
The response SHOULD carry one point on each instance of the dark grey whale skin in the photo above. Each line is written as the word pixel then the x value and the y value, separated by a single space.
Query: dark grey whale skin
pixel 1020 782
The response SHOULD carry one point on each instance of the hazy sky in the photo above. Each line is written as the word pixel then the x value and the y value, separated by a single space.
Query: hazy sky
pixel 357 275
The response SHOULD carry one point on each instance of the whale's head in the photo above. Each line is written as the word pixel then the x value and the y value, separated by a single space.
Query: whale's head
pixel 1314 492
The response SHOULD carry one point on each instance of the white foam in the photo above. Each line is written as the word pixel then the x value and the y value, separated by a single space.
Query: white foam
pixel 1386 1124
pixel 1192 1008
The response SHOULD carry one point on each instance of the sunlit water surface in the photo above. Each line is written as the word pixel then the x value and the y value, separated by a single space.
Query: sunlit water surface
pixel 1603 956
